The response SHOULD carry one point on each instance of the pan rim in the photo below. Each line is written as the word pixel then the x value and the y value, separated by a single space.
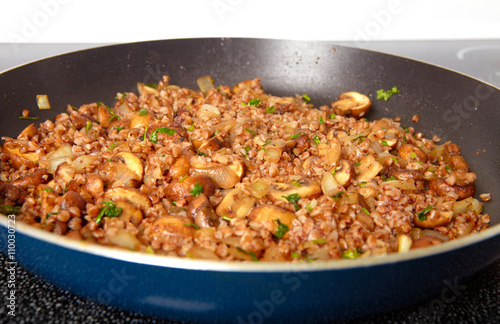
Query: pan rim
pixel 224 266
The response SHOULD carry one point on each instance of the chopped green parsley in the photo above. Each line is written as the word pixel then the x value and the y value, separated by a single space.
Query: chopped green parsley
pixel 197 190
pixel 292 199
pixel 164 130
pixel 109 211
pixel 270 110
pixel 143 112
pixel 422 216
pixel 386 95
pixel 192 225
pixel 294 136
pixel 281 230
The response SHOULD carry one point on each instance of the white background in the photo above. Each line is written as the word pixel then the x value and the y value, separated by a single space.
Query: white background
pixel 99 21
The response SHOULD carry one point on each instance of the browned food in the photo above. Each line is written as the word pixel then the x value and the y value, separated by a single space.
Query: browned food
pixel 235 173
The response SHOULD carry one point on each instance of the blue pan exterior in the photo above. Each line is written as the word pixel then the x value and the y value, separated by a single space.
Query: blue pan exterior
pixel 213 296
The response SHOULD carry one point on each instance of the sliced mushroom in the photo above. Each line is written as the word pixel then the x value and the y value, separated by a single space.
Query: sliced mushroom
pixel 18 159
pixel 133 196
pixel 304 187
pixel 103 115
pixel 235 204
pixel 177 189
pixel 130 212
pixel 200 210
pixel 223 176
pixel 94 185
pixel 344 172
pixel 13 193
pixel 212 145
pixel 73 199
pixel 181 167
pixel 409 151
pixel 28 132
pixel 425 241
pixel 142 118
pixel 402 174
pixel 124 169
pixel 330 152
pixel 453 157
pixel 37 177
pixel 132 162
pixel 435 218
pixel 441 188
pixel 352 103
pixel 168 226
pixel 269 215
pixel 368 169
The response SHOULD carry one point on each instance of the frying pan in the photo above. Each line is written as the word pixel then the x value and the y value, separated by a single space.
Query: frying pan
pixel 453 106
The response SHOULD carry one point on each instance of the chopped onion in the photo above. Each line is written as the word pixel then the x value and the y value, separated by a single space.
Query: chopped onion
pixel 198 252
pixel 209 111
pixel 272 154
pixel 467 205
pixel 43 102
pixel 82 162
pixel 124 239
pixel 222 175
pixel 225 126
pixel 329 185
pixel 205 83
pixel 403 185
pixel 375 145
pixel 258 189
pixel 52 160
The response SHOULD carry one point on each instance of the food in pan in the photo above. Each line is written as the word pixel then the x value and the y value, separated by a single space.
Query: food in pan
pixel 235 173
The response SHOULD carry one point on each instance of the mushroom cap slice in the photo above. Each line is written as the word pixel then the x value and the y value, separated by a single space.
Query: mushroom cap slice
pixel 268 216
pixel 352 103
pixel 304 187
pixel 133 196
pixel 235 204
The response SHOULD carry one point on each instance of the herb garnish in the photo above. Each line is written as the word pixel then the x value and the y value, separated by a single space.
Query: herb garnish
pixel 88 126
pixel 152 85
pixel 197 190
pixel 192 225
pixel 422 216
pixel 337 195
pixel 351 254
pixel 254 102
pixel 281 230
pixel 143 112
pixel 254 258
pixel 164 130
pixel 306 98
pixel 270 110
pixel 294 136
pixel 316 140
pixel 292 199
pixel 10 209
pixel 28 117
pixel 250 131
pixel 386 95
pixel 109 211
